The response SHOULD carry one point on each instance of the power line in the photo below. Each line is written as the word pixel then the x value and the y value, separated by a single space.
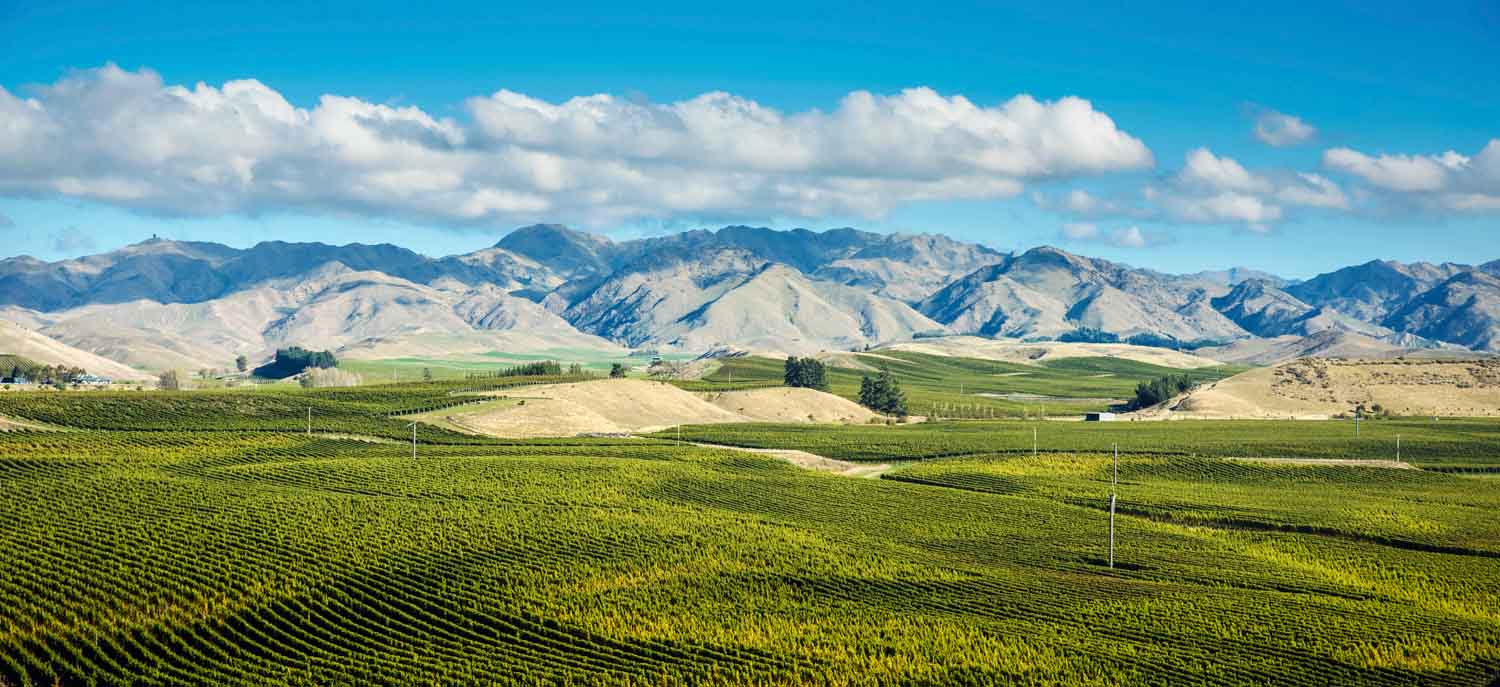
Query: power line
pixel 1114 481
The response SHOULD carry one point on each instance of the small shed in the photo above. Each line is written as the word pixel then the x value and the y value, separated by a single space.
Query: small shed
pixel 1098 417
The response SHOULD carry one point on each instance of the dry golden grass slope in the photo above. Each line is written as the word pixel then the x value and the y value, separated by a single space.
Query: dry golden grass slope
pixel 1317 388
pixel 40 348
pixel 628 406
pixel 1017 351
pixel 784 404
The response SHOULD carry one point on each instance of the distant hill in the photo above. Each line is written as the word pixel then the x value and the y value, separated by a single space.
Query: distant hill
pixel 187 305
pixel 25 344
pixel 1047 292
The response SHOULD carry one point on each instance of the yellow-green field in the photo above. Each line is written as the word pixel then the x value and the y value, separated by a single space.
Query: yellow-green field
pixel 206 539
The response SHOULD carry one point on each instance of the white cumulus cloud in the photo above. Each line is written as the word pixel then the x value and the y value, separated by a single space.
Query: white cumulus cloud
pixel 1210 189
pixel 1217 189
pixel 1447 181
pixel 127 138
pixel 1280 130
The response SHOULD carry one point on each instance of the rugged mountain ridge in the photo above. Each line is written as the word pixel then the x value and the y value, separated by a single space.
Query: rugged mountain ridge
pixel 164 303
pixel 1048 292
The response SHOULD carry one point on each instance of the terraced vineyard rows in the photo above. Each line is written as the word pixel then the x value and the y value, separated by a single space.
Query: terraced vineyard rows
pixel 359 410
pixel 1464 444
pixel 218 553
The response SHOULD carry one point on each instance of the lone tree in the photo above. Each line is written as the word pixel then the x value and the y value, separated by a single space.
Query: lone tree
pixel 426 374
pixel 241 363
pixel 617 370
pixel 807 373
pixel 168 381
pixel 883 394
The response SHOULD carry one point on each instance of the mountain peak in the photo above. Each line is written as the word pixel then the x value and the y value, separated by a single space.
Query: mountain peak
pixel 549 232
pixel 568 251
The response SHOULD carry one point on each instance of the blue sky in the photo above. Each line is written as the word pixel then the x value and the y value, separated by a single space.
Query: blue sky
pixel 1379 92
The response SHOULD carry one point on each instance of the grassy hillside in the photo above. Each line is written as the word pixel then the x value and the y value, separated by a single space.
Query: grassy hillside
pixel 9 361
pixel 956 387
pixel 225 547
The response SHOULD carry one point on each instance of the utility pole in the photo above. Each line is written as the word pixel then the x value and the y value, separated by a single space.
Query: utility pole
pixel 1033 441
pixel 1398 448
pixel 413 440
pixel 1356 422
pixel 1114 481
pixel 309 421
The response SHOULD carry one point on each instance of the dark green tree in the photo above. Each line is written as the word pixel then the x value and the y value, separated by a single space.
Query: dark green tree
pixel 808 373
pixel 617 370
pixel 292 361
pixel 1161 389
pixel 883 394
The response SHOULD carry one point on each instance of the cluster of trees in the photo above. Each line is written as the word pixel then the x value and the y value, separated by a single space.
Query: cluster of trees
pixel 618 371
pixel 1172 342
pixel 292 361
pixel 807 373
pixel 1150 393
pixel 46 374
pixel 1088 335
pixel 882 394
pixel 539 368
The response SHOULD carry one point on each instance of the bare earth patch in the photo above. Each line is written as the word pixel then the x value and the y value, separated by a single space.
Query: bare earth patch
pixel 785 404
pixel 809 461
pixel 1351 462
pixel 632 406
pixel 12 425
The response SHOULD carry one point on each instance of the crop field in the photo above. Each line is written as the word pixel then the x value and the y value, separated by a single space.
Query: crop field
pixel 971 388
pixel 1448 444
pixel 206 539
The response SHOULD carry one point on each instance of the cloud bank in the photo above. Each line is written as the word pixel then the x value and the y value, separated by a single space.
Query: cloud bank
pixel 1445 182
pixel 126 138
pixel 1124 237
pixel 1212 189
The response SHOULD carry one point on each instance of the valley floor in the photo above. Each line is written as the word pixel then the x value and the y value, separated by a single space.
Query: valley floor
pixel 215 539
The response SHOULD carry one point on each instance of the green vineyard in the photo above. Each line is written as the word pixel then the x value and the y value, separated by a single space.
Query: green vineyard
pixel 1459 444
pixel 207 538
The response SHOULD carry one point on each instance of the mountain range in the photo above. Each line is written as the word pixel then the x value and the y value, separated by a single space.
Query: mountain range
pixel 176 304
